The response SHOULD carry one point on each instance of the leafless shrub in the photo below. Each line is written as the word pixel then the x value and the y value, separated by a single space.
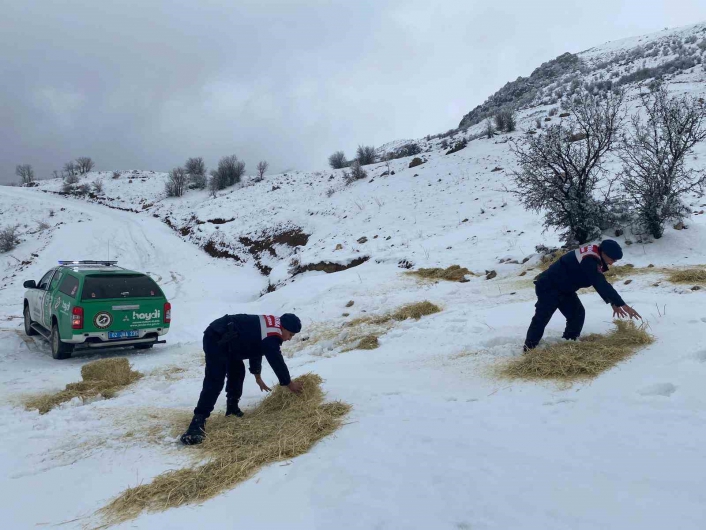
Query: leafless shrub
pixel 116 174
pixel 561 177
pixel 83 189
pixel 98 187
pixel 366 155
pixel 505 120
pixel 9 238
pixel 338 160
pixel 653 154
pixel 71 178
pixel 176 183
pixel 42 226
pixel 356 173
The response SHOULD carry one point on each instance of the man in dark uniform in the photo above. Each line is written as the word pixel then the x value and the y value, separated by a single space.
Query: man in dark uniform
pixel 556 289
pixel 227 342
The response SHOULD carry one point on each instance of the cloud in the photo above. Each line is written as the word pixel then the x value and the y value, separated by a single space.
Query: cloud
pixel 146 84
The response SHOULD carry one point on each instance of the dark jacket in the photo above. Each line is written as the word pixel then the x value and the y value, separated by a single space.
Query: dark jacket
pixel 581 268
pixel 252 337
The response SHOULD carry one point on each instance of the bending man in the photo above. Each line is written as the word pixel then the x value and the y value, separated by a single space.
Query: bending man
pixel 227 342
pixel 556 289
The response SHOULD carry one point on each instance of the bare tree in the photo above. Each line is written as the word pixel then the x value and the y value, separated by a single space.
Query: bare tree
pixel 653 154
pixel 230 171
pixel 366 155
pixel 489 130
pixel 505 120
pixel 26 173
pixel 176 184
pixel 261 168
pixel 196 168
pixel 214 183
pixel 69 168
pixel 561 176
pixel 84 164
pixel 338 160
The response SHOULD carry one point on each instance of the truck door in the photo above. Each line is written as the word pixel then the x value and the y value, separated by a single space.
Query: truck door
pixel 42 290
pixel 49 297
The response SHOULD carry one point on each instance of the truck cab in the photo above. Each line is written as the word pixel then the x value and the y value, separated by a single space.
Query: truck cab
pixel 95 304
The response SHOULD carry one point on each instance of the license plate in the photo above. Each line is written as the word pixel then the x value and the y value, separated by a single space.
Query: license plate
pixel 123 334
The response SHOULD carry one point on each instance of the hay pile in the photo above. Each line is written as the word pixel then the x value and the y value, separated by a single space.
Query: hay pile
pixel 416 311
pixel 587 358
pixel 454 273
pixel 368 342
pixel 283 426
pixel 688 276
pixel 104 377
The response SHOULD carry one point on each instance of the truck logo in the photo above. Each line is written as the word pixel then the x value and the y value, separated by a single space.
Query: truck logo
pixel 103 319
pixel 156 314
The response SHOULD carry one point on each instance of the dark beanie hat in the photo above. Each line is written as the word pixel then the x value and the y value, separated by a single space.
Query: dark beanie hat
pixel 291 322
pixel 612 249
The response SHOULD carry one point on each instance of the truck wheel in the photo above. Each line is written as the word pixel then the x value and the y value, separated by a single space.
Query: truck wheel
pixel 29 330
pixel 59 350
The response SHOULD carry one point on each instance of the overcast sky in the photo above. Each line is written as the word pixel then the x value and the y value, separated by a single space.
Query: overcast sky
pixel 144 84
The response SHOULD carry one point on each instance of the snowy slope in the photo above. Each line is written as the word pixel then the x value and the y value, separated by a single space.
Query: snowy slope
pixel 434 440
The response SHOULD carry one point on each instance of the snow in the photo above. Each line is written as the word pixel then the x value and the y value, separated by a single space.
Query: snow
pixel 434 440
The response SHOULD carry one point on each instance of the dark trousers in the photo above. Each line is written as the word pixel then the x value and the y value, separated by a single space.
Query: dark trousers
pixel 219 366
pixel 548 301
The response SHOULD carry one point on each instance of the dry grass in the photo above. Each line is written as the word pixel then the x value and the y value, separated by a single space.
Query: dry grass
pixel 368 342
pixel 587 358
pixel 416 311
pixel 548 260
pixel 283 426
pixel 104 377
pixel 454 273
pixel 688 276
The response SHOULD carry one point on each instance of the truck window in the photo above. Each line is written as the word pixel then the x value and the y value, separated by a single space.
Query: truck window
pixel 120 286
pixel 44 282
pixel 69 286
pixel 55 280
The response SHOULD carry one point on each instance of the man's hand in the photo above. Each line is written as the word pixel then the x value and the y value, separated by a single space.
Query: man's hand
pixel 295 386
pixel 625 312
pixel 261 384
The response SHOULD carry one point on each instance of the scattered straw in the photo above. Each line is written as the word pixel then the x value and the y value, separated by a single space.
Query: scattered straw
pixel 689 276
pixel 368 342
pixel 587 358
pixel 283 426
pixel 416 310
pixel 104 377
pixel 454 273
pixel 548 260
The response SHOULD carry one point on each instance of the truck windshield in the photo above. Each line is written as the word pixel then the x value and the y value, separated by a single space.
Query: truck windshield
pixel 120 286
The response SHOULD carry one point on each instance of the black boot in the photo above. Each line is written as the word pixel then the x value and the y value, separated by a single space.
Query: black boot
pixel 232 408
pixel 196 432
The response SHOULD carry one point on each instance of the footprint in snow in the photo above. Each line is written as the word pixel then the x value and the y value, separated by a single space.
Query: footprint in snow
pixel 558 402
pixel 659 389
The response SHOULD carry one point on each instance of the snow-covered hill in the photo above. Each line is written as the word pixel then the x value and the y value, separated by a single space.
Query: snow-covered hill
pixel 434 440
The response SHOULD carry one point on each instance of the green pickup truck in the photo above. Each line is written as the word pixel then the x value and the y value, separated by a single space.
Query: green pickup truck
pixel 95 304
